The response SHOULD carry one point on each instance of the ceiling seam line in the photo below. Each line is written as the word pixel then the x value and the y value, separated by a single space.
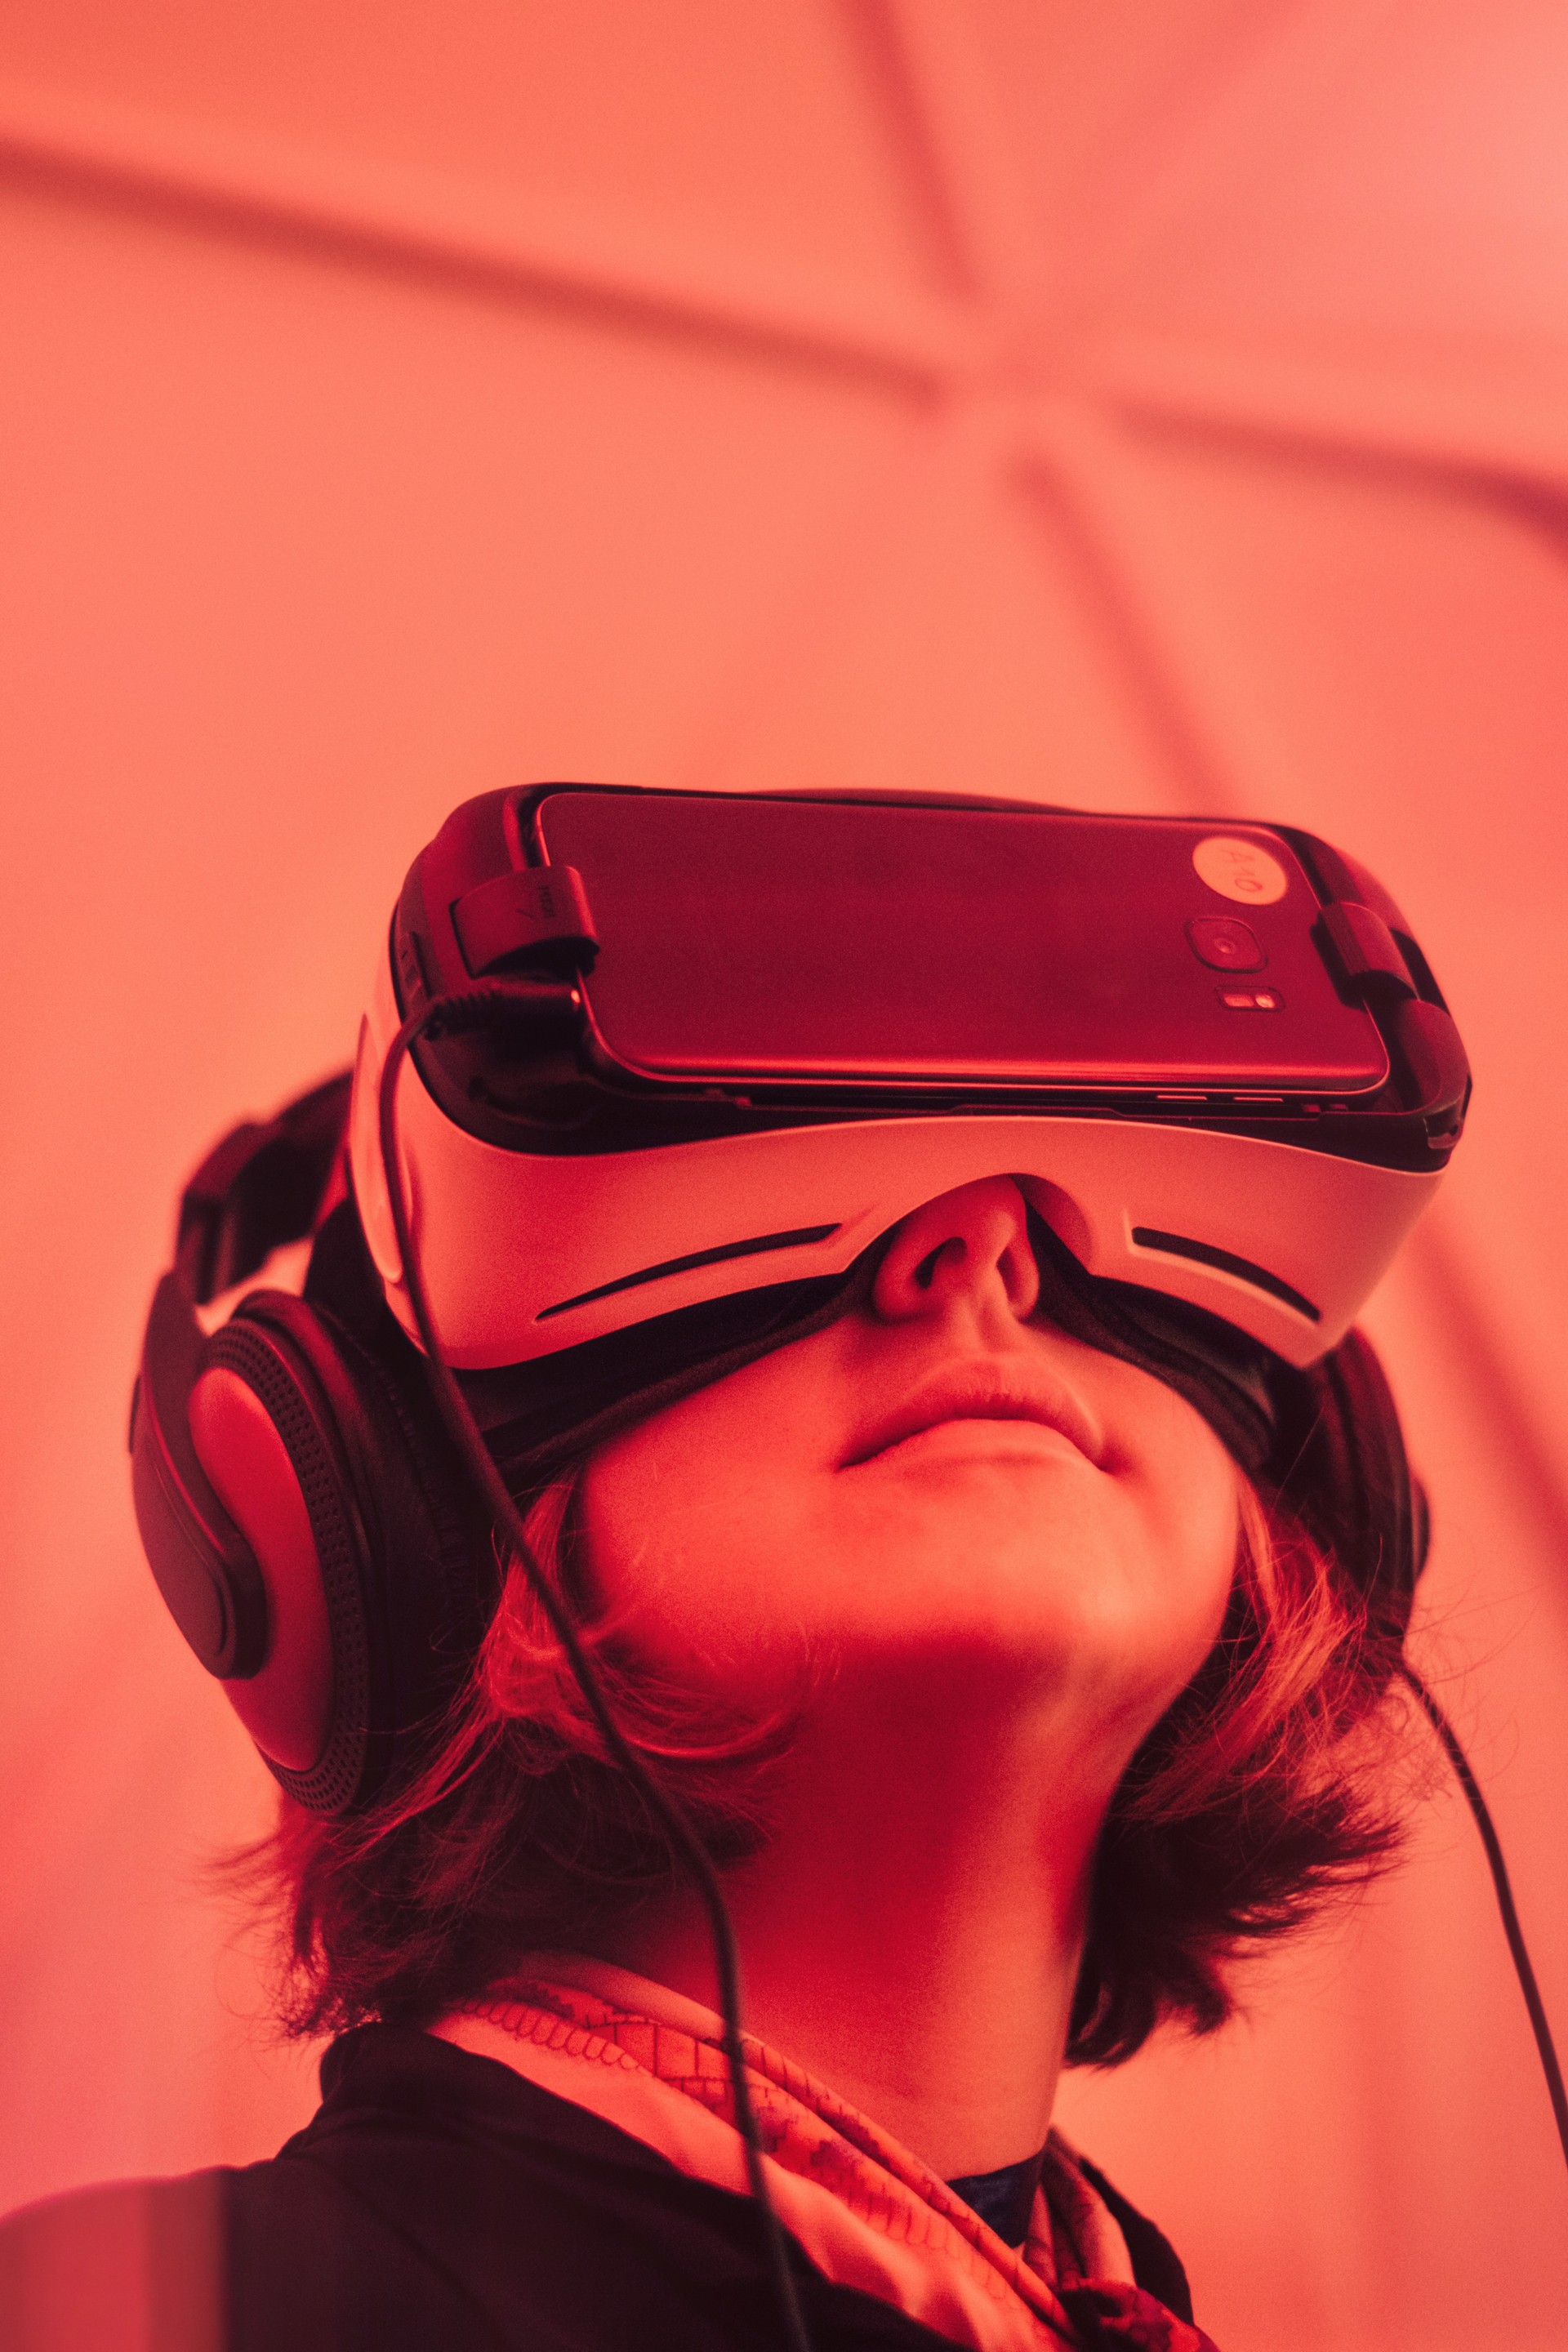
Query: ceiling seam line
pixel 926 355
pixel 1349 446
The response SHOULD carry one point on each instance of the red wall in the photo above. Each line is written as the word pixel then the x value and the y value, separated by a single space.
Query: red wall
pixel 1151 406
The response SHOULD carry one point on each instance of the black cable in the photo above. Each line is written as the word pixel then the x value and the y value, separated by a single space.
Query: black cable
pixel 1504 1892
pixel 477 1008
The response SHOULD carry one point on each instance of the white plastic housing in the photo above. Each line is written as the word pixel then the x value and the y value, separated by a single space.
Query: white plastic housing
pixel 505 1236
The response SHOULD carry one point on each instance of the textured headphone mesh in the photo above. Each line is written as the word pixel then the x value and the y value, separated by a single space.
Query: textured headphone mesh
pixel 329 1785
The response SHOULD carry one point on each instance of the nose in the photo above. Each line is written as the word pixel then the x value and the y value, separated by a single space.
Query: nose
pixel 970 1247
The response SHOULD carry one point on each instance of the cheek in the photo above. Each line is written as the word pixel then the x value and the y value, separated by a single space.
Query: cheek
pixel 692 1540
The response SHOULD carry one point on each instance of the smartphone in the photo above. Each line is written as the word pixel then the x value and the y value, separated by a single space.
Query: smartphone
pixel 750 943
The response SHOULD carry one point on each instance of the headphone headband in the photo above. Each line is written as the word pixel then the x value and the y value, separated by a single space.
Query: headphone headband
pixel 258 1189
pixel 261 1188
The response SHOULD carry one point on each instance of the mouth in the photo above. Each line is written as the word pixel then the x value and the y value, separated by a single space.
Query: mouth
pixel 993 1389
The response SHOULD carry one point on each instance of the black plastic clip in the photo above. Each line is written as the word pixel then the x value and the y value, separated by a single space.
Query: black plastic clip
pixel 1368 951
pixel 534 919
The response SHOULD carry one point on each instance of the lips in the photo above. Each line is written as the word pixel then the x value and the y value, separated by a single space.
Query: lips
pixel 989 1389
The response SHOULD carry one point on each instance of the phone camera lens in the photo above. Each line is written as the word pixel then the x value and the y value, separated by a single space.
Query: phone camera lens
pixel 1224 945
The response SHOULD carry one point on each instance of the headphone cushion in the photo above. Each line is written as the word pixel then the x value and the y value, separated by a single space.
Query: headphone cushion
pixel 330 1469
pixel 286 1705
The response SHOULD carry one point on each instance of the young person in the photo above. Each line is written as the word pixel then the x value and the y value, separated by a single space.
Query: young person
pixel 1020 1662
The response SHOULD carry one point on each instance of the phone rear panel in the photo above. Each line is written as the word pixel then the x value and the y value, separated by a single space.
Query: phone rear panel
pixel 790 942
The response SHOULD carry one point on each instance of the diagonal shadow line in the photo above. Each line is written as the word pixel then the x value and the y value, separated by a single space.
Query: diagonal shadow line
pixel 1530 494
pixel 887 67
pixel 916 348
pixel 1386 399
pixel 1502 1403
pixel 1285 57
pixel 1173 132
pixel 900 77
pixel 1500 1400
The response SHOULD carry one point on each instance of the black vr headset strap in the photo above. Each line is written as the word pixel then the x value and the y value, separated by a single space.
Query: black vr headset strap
pixel 258 1189
pixel 1376 1469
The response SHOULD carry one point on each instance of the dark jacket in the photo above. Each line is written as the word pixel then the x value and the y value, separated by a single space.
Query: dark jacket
pixel 438 2202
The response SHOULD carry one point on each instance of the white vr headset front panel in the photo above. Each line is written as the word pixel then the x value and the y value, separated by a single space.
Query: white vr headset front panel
pixel 506 1238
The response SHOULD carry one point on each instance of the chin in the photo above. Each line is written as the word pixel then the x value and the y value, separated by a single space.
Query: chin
pixel 1038 1602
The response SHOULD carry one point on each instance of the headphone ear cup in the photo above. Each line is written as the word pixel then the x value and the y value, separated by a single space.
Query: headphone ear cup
pixel 332 1471
pixel 287 1705
pixel 267 1435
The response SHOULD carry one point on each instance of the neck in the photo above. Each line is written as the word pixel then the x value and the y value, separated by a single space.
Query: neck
pixel 910 1931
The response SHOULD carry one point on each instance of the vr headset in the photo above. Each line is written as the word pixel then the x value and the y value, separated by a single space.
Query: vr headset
pixel 665 1053
pixel 758 1032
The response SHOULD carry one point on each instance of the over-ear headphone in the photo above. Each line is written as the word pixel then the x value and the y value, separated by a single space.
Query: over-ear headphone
pixel 318 1539
pixel 300 1504
pixel 324 1550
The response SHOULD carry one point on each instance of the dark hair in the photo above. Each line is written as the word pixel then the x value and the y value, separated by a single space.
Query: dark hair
pixel 1260 1794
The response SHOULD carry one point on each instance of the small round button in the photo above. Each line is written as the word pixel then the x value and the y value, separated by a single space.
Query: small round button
pixel 1224 945
pixel 1240 870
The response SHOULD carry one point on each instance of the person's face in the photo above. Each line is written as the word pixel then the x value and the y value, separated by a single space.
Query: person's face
pixel 940 1487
